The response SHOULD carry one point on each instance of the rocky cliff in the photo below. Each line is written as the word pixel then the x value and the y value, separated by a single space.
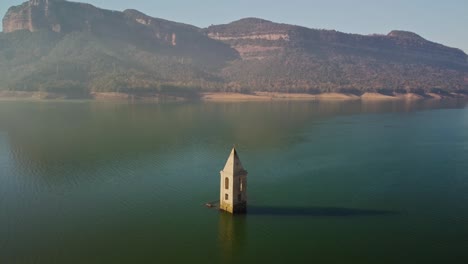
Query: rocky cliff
pixel 32 16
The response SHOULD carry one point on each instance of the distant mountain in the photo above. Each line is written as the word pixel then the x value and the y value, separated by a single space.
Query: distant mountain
pixel 76 49
pixel 281 56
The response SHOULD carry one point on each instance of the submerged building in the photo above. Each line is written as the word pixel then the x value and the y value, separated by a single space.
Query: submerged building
pixel 233 187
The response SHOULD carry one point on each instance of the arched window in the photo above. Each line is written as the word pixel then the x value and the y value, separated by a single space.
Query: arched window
pixel 226 183
pixel 241 187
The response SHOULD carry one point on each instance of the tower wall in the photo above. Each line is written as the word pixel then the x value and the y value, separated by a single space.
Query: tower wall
pixel 236 201
pixel 226 204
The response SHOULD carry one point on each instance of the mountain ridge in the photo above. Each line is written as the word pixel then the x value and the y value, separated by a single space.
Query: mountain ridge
pixel 52 45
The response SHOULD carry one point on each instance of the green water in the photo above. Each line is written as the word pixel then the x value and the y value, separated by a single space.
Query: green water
pixel 87 182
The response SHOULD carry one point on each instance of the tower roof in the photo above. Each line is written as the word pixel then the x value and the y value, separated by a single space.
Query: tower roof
pixel 233 164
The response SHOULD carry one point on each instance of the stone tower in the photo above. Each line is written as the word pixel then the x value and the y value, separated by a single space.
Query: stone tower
pixel 233 188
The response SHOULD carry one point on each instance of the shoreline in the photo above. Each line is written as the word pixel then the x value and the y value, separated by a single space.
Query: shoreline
pixel 265 96
pixel 228 97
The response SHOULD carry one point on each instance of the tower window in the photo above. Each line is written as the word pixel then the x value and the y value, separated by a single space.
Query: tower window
pixel 240 184
pixel 226 183
pixel 226 196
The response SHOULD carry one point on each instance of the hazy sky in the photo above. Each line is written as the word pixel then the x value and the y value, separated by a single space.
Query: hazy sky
pixel 445 21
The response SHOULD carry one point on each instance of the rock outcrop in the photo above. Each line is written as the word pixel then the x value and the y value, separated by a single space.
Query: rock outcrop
pixel 32 16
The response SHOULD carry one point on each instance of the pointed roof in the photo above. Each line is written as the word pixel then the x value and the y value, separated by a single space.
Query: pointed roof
pixel 233 164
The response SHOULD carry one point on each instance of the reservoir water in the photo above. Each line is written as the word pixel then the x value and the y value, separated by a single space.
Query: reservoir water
pixel 343 182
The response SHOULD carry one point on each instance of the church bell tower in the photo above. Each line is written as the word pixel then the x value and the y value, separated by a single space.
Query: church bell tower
pixel 233 188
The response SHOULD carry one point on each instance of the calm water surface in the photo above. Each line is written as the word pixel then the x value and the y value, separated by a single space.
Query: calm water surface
pixel 87 182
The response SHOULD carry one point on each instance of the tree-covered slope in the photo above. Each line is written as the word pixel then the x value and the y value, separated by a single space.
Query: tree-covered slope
pixel 285 57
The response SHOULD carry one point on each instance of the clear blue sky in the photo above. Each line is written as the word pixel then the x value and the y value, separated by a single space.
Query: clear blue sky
pixel 445 21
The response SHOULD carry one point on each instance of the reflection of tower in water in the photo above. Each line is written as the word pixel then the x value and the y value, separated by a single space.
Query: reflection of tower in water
pixel 231 236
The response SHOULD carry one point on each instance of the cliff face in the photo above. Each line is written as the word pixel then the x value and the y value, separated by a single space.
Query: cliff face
pixel 31 16
pixel 60 16
pixel 253 38
pixel 64 17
